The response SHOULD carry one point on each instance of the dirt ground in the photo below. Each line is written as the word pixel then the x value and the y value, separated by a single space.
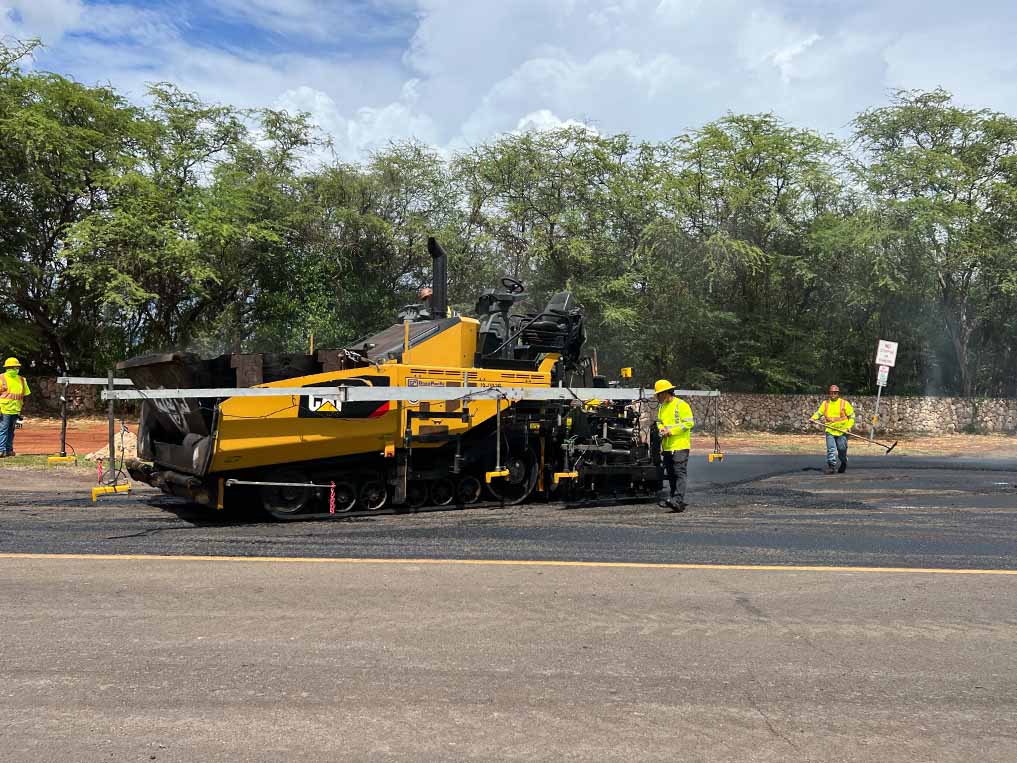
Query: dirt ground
pixel 948 445
pixel 42 437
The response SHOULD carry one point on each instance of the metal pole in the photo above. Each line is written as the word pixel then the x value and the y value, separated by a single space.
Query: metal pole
pixel 63 420
pixel 875 416
pixel 497 423
pixel 112 425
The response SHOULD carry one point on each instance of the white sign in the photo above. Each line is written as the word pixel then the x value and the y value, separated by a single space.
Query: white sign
pixel 886 353
pixel 884 374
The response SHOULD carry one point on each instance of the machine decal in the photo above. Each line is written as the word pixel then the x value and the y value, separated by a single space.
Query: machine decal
pixel 326 407
pixel 317 404
pixel 175 410
pixel 413 381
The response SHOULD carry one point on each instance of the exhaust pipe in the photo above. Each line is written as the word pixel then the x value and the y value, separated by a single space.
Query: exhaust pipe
pixel 439 282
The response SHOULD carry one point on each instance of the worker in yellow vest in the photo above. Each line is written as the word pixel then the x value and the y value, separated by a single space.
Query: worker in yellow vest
pixel 13 391
pixel 839 416
pixel 674 424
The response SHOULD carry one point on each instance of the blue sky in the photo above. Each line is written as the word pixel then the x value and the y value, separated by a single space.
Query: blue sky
pixel 456 72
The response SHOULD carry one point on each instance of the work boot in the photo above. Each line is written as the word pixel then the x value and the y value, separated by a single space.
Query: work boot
pixel 677 506
pixel 843 467
pixel 829 470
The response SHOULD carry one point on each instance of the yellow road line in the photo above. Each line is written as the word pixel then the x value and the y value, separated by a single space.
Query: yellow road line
pixel 507 563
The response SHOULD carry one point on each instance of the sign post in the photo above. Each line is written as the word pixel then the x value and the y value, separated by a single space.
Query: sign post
pixel 886 357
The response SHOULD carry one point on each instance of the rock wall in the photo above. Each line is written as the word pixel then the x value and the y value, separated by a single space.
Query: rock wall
pixel 899 415
pixel 770 413
pixel 45 398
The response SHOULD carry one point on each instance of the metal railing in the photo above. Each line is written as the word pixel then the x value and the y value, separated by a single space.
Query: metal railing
pixel 411 394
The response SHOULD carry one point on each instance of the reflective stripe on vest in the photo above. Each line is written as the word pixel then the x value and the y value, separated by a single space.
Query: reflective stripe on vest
pixel 5 392
pixel 826 408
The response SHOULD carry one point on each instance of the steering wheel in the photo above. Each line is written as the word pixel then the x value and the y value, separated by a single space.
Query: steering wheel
pixel 512 285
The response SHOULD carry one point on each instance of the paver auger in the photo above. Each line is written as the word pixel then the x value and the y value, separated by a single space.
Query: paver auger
pixel 312 453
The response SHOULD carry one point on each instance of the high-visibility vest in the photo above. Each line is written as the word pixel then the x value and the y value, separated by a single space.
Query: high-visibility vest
pixel 676 413
pixel 844 410
pixel 13 391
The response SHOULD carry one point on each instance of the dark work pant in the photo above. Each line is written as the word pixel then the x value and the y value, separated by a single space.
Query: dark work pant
pixel 676 467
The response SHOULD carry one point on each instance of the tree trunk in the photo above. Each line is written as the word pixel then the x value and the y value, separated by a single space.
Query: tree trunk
pixel 960 330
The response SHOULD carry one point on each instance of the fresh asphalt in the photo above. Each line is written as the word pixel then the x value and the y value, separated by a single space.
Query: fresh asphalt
pixel 340 641
pixel 749 509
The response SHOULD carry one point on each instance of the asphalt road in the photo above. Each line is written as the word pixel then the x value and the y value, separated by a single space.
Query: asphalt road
pixel 176 660
pixel 750 509
pixel 443 647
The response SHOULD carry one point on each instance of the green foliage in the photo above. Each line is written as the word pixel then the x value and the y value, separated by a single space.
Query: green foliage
pixel 748 254
pixel 941 185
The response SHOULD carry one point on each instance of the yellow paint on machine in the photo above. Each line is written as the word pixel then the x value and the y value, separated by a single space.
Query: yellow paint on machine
pixel 265 431
pixel 513 563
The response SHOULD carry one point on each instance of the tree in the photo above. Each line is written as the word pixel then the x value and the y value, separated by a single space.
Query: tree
pixel 60 144
pixel 748 254
pixel 565 210
pixel 731 254
pixel 941 179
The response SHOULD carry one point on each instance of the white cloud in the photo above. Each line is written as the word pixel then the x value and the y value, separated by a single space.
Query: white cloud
pixel 39 18
pixel 544 120
pixel 453 73
pixel 366 129
pixel 784 58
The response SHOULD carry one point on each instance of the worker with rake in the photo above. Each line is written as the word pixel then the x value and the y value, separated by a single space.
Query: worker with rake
pixel 838 415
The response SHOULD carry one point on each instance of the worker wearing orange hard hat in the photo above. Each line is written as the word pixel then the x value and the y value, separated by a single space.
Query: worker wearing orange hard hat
pixel 838 415
pixel 13 391
pixel 674 425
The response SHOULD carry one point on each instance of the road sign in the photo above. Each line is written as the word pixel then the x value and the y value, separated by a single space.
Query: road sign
pixel 883 375
pixel 886 353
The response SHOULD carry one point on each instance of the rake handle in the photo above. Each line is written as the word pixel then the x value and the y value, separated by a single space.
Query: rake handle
pixel 856 436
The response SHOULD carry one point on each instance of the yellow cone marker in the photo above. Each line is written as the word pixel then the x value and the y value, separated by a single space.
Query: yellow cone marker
pixel 565 476
pixel 109 490
pixel 488 476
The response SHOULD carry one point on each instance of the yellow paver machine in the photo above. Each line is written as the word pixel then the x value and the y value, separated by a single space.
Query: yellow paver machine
pixel 335 442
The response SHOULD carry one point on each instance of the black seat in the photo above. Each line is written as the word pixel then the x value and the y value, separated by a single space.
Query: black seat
pixel 551 329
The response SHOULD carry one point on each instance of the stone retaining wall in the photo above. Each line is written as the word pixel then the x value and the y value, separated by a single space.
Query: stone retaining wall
pixel 899 415
pixel 45 398
pixel 770 413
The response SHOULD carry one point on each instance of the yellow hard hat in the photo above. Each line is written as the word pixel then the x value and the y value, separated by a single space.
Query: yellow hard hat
pixel 662 385
pixel 12 363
